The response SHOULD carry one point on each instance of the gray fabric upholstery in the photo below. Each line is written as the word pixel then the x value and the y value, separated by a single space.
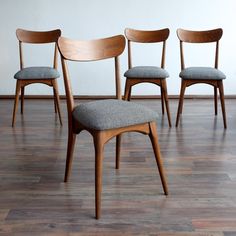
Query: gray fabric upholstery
pixel 207 73
pixel 111 113
pixel 146 72
pixel 37 73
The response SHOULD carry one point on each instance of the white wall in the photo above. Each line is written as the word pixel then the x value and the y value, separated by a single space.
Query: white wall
pixel 87 19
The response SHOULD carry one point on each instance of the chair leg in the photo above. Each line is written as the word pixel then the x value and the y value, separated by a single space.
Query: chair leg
pixel 118 142
pixel 181 100
pixel 18 87
pixel 69 155
pixel 156 148
pixel 164 88
pixel 22 96
pixel 57 99
pixel 99 147
pixel 215 100
pixel 128 88
pixel 162 100
pixel 222 99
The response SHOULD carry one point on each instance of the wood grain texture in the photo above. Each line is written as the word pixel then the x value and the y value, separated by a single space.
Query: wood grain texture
pixel 206 36
pixel 91 50
pixel 199 158
pixel 28 36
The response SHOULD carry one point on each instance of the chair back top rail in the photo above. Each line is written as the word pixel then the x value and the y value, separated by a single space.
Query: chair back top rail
pixel 39 37
pixel 147 36
pixel 206 36
pixel 92 50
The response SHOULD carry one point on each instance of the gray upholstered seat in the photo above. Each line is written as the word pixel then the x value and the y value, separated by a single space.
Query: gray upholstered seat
pixel 146 72
pixel 37 73
pixel 111 113
pixel 207 73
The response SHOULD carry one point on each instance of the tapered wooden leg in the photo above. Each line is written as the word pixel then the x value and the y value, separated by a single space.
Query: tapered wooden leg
pixel 57 99
pixel 215 99
pixel 156 148
pixel 222 99
pixel 128 88
pixel 22 99
pixel 18 87
pixel 165 95
pixel 118 142
pixel 181 100
pixel 162 101
pixel 99 146
pixel 69 155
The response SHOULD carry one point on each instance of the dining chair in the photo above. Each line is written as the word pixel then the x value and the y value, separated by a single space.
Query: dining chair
pixel 36 74
pixel 104 119
pixel 197 74
pixel 148 74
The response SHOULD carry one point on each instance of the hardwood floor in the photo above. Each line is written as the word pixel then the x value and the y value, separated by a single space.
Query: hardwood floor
pixel 199 157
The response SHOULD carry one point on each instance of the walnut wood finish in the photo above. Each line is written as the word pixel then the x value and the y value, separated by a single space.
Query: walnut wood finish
pixel 143 36
pixel 209 36
pixel 36 37
pixel 89 51
pixel 199 159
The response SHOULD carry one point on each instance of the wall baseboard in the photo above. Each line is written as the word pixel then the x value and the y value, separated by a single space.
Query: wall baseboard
pixel 95 97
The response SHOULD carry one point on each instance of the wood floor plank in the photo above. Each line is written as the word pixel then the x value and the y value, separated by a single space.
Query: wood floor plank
pixel 199 157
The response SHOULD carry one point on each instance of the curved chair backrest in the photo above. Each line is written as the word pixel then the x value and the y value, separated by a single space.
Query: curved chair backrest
pixel 207 36
pixel 37 37
pixel 27 36
pixel 147 36
pixel 93 50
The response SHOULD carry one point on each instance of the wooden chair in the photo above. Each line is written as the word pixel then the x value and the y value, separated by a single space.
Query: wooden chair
pixel 148 74
pixel 104 119
pixel 194 75
pixel 37 74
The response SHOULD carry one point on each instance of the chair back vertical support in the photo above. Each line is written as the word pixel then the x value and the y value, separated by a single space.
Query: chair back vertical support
pixel 129 55
pixel 68 90
pixel 217 55
pixel 55 59
pixel 117 77
pixel 163 57
pixel 182 55
pixel 21 55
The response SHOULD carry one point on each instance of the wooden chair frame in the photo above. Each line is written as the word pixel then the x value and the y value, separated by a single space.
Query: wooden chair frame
pixel 209 36
pixel 90 51
pixel 36 37
pixel 142 36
